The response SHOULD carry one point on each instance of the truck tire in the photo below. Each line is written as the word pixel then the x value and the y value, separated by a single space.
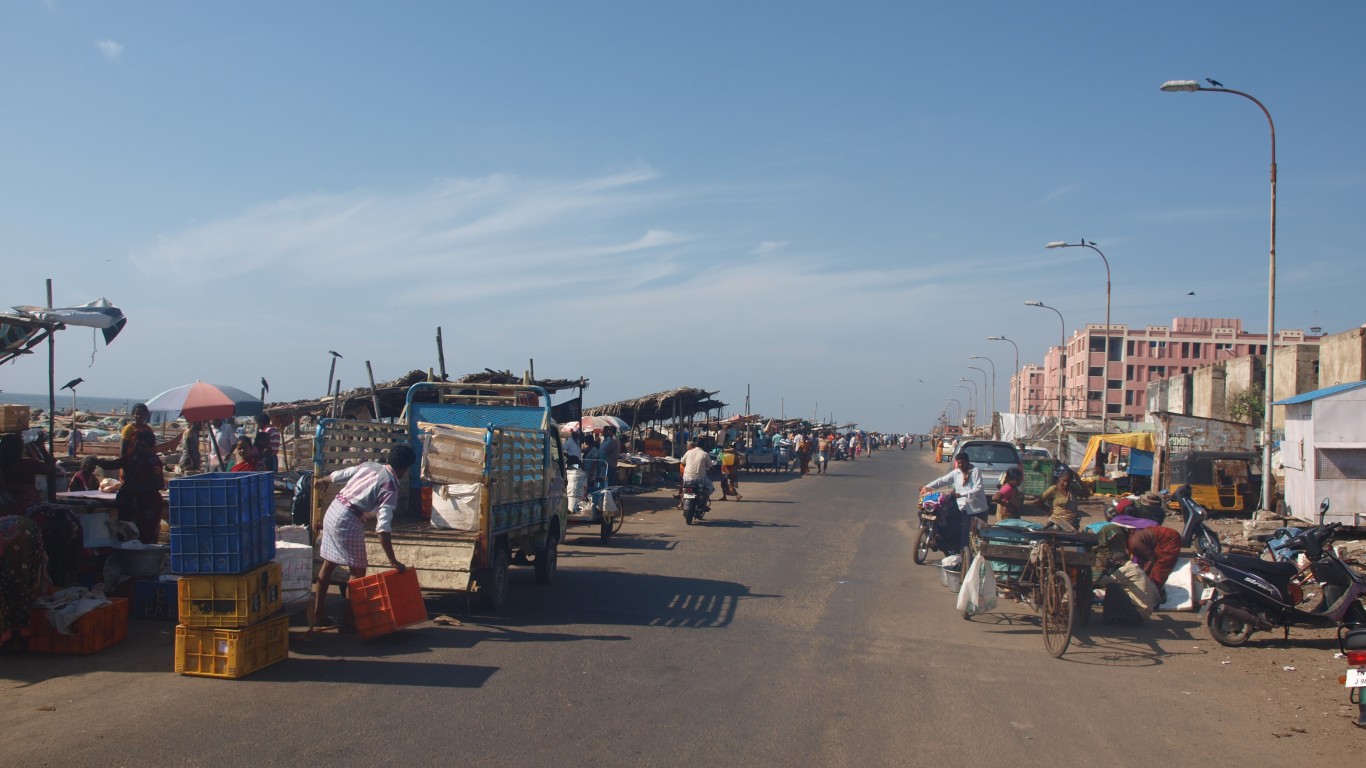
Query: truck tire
pixel 548 557
pixel 493 581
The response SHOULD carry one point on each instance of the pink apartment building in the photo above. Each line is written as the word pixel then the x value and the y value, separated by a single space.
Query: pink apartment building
pixel 1090 383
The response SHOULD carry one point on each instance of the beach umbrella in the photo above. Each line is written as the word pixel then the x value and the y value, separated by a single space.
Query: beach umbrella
pixel 203 402
pixel 596 423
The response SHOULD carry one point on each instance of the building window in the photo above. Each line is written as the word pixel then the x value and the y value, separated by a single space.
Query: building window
pixel 1185 350
pixel 1097 343
pixel 1157 370
pixel 1129 372
pixel 1114 384
pixel 1129 348
pixel 1340 464
pixel 1129 397
pixel 1113 408
pixel 1093 395
pixel 1195 349
pixel 1095 370
pixel 1115 352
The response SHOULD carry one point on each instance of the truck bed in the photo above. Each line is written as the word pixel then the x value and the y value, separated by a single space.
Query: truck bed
pixel 443 558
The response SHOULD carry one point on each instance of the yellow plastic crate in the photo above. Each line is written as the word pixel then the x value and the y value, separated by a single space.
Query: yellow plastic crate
pixel 230 600
pixel 231 653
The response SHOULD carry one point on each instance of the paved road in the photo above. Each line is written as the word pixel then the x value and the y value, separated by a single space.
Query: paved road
pixel 790 629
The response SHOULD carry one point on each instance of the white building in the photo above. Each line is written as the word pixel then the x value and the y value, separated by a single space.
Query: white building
pixel 1324 453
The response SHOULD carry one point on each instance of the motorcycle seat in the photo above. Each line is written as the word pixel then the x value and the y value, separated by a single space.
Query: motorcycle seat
pixel 1278 569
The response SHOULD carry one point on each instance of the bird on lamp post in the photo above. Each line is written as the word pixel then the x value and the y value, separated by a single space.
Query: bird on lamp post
pixel 71 385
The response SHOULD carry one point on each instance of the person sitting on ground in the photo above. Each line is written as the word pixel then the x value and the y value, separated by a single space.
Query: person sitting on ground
pixel 371 493
pixel 1061 499
pixel 86 479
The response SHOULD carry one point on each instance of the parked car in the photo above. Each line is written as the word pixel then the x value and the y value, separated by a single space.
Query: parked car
pixel 1035 452
pixel 992 458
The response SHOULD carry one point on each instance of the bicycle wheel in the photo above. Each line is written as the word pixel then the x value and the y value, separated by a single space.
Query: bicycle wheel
pixel 1057 612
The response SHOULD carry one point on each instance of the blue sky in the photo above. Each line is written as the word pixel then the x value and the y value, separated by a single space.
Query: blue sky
pixel 827 202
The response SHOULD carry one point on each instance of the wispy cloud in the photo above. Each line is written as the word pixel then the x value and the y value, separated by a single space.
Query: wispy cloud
pixel 111 50
pixel 768 246
pixel 1062 191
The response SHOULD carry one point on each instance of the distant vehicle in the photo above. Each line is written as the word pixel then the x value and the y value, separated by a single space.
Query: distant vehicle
pixel 992 458
pixel 1035 452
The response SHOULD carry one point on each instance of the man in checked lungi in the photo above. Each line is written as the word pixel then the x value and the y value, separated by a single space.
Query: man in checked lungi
pixel 371 492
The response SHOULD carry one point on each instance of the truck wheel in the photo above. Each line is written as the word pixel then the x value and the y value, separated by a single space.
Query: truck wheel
pixel 548 558
pixel 493 581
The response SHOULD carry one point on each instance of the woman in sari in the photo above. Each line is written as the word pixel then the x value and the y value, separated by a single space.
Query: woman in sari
pixel 139 499
pixel 23 574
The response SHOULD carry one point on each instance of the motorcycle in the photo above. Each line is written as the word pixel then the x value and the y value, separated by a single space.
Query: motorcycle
pixel 695 500
pixel 938 531
pixel 1261 595
pixel 1353 645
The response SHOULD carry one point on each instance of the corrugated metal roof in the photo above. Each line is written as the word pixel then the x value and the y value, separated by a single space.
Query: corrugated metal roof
pixel 1321 393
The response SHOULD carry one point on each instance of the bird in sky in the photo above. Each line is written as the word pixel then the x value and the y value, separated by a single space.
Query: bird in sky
pixel 334 354
pixel 1192 293
pixel 1214 83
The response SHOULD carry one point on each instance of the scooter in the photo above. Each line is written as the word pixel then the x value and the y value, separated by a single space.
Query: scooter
pixel 938 532
pixel 1260 595
pixel 1353 645
pixel 695 500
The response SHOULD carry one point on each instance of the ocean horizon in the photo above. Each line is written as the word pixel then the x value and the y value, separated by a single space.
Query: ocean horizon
pixel 83 402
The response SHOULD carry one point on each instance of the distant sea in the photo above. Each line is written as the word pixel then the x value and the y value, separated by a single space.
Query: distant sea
pixel 83 403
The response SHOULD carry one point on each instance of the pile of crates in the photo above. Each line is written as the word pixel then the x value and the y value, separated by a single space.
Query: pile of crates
pixel 228 596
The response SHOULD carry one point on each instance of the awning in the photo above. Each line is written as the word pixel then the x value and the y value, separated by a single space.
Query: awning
pixel 1142 441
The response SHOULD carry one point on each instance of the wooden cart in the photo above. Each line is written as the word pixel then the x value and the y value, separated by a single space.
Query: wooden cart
pixel 1050 571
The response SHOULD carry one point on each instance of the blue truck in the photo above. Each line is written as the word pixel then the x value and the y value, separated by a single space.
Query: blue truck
pixel 486 493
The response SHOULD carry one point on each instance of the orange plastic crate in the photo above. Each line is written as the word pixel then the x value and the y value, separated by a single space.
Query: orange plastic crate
pixel 91 633
pixel 386 602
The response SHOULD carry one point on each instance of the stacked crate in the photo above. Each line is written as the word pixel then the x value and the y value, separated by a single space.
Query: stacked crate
pixel 229 593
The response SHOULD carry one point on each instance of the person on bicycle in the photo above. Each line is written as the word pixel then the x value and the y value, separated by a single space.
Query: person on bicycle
pixel 969 497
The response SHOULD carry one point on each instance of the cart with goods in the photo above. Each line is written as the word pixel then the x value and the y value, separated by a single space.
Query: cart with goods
pixel 592 501
pixel 1050 571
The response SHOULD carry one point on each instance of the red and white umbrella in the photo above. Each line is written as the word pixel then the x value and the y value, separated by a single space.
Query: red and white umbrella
pixel 203 402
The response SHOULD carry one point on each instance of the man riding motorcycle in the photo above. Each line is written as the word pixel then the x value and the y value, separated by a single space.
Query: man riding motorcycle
pixel 696 463
pixel 968 497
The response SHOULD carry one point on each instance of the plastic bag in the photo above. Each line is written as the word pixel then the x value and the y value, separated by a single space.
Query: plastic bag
pixel 978 593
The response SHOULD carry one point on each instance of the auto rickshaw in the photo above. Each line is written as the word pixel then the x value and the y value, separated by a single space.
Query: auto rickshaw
pixel 1220 481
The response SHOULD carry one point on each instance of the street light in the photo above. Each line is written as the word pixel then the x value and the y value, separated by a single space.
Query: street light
pixel 991 410
pixel 1188 86
pixel 955 401
pixel 1105 381
pixel 988 409
pixel 1062 364
pixel 1019 398
pixel 972 401
pixel 993 377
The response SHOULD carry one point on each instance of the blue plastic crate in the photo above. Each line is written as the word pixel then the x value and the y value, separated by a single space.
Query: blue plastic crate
pixel 153 599
pixel 222 498
pixel 222 549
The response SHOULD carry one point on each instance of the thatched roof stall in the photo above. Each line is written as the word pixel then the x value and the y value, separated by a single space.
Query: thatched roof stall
pixel 676 404
pixel 392 396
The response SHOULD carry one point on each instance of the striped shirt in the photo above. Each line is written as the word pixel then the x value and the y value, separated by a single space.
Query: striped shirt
pixel 372 491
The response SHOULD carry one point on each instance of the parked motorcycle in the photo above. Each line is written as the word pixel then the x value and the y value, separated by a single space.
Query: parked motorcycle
pixel 696 497
pixel 1261 595
pixel 1353 644
pixel 938 532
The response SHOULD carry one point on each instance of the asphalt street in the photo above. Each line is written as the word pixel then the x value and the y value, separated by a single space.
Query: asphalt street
pixel 788 629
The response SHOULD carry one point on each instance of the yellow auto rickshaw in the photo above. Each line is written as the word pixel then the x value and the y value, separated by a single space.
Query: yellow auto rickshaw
pixel 1220 481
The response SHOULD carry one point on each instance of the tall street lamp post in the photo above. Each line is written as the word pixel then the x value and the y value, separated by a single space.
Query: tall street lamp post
pixel 958 403
pixel 1019 397
pixel 1105 382
pixel 1062 364
pixel 990 409
pixel 993 377
pixel 972 402
pixel 1190 86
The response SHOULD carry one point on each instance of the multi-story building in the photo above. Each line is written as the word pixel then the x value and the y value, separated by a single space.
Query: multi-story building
pixel 1114 384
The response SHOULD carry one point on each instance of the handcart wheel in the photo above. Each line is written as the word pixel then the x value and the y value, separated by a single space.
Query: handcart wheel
pixel 621 513
pixel 1057 612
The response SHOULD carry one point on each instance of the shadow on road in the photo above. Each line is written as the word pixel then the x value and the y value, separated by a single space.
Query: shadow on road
pixel 352 670
pixel 1104 645
pixel 723 522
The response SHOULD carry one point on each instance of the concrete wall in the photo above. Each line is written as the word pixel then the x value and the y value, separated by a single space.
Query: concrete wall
pixel 1297 372
pixel 1242 374
pixel 1207 392
pixel 1342 358
pixel 1177 433
pixel 1179 394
